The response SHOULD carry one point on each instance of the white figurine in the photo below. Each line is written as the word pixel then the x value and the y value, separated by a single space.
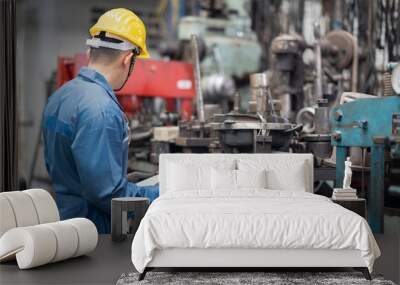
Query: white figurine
pixel 347 174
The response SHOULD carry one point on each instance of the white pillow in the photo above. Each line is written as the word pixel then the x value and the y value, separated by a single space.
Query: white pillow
pixel 185 174
pixel 279 180
pixel 223 179
pixel 285 173
pixel 251 178
pixel 183 177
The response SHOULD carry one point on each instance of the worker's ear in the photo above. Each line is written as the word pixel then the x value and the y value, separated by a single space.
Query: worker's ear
pixel 127 59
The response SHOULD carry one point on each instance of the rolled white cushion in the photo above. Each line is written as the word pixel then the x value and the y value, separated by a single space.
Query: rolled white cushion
pixel 23 208
pixel 67 240
pixel 33 246
pixel 37 245
pixel 45 205
pixel 7 218
pixel 87 235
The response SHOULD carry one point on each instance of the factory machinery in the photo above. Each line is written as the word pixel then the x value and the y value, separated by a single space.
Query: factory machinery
pixel 306 101
pixel 290 107
pixel 238 109
pixel 371 122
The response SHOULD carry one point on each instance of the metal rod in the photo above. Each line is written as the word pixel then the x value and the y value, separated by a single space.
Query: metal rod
pixel 197 79
pixel 376 191
pixel 354 68
pixel 363 153
pixel 236 104
pixel 318 64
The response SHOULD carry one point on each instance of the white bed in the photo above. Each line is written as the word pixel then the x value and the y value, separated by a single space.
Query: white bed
pixel 198 223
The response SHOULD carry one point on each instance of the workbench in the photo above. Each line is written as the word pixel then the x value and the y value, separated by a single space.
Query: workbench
pixel 102 266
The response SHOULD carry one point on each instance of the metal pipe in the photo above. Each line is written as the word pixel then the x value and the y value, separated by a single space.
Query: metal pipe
pixel 354 69
pixel 197 79
pixel 318 79
pixel 260 91
pixel 236 104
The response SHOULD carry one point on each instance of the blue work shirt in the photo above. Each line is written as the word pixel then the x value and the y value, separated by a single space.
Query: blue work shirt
pixel 86 140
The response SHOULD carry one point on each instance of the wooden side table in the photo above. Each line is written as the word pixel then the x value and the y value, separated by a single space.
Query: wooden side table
pixel 358 205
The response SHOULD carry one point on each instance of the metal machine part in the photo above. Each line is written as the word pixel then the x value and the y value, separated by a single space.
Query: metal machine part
pixel 228 47
pixel 394 67
pixel 339 45
pixel 259 131
pixel 308 88
pixel 287 77
pixel 318 64
pixel 358 124
pixel 299 83
pixel 228 34
pixel 197 79
pixel 261 97
pixel 343 48
pixel 318 143
pixel 322 125
pixel 195 135
pixel 394 140
pixel 217 87
pixel 305 117
pixel 169 118
pixel 248 133
pixel 347 97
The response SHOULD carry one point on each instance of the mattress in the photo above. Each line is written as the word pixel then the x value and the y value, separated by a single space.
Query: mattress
pixel 250 219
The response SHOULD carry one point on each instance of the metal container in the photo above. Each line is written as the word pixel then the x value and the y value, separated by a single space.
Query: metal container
pixel 121 210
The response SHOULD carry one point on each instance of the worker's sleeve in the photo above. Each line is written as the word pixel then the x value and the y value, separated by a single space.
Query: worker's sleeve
pixel 100 157
pixel 150 192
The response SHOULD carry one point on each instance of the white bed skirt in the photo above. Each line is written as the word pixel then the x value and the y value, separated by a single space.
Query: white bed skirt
pixel 189 257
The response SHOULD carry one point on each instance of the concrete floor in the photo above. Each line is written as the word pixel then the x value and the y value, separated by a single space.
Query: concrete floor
pixel 389 243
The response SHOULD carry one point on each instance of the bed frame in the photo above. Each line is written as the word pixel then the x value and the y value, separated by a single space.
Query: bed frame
pixel 243 259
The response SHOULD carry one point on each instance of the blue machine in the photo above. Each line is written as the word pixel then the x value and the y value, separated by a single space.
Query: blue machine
pixel 366 123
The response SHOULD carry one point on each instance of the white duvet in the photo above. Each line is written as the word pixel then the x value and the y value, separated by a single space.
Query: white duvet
pixel 250 219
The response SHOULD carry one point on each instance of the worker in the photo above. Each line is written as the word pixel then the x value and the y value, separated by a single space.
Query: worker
pixel 86 133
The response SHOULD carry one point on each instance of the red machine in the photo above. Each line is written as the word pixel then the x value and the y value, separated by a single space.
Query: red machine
pixel 171 80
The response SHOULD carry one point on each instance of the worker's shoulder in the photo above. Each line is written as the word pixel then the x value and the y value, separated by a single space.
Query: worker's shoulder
pixel 83 97
pixel 83 91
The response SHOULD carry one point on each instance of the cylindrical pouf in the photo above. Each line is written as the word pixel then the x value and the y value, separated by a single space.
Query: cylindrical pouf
pixel 120 207
pixel 45 205
pixel 87 235
pixel 33 246
pixel 67 240
pixel 7 218
pixel 23 208
pixel 37 245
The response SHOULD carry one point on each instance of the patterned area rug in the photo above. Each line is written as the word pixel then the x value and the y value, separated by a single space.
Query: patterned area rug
pixel 229 278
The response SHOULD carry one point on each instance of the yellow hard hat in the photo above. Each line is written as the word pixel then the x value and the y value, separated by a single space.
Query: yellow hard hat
pixel 125 24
